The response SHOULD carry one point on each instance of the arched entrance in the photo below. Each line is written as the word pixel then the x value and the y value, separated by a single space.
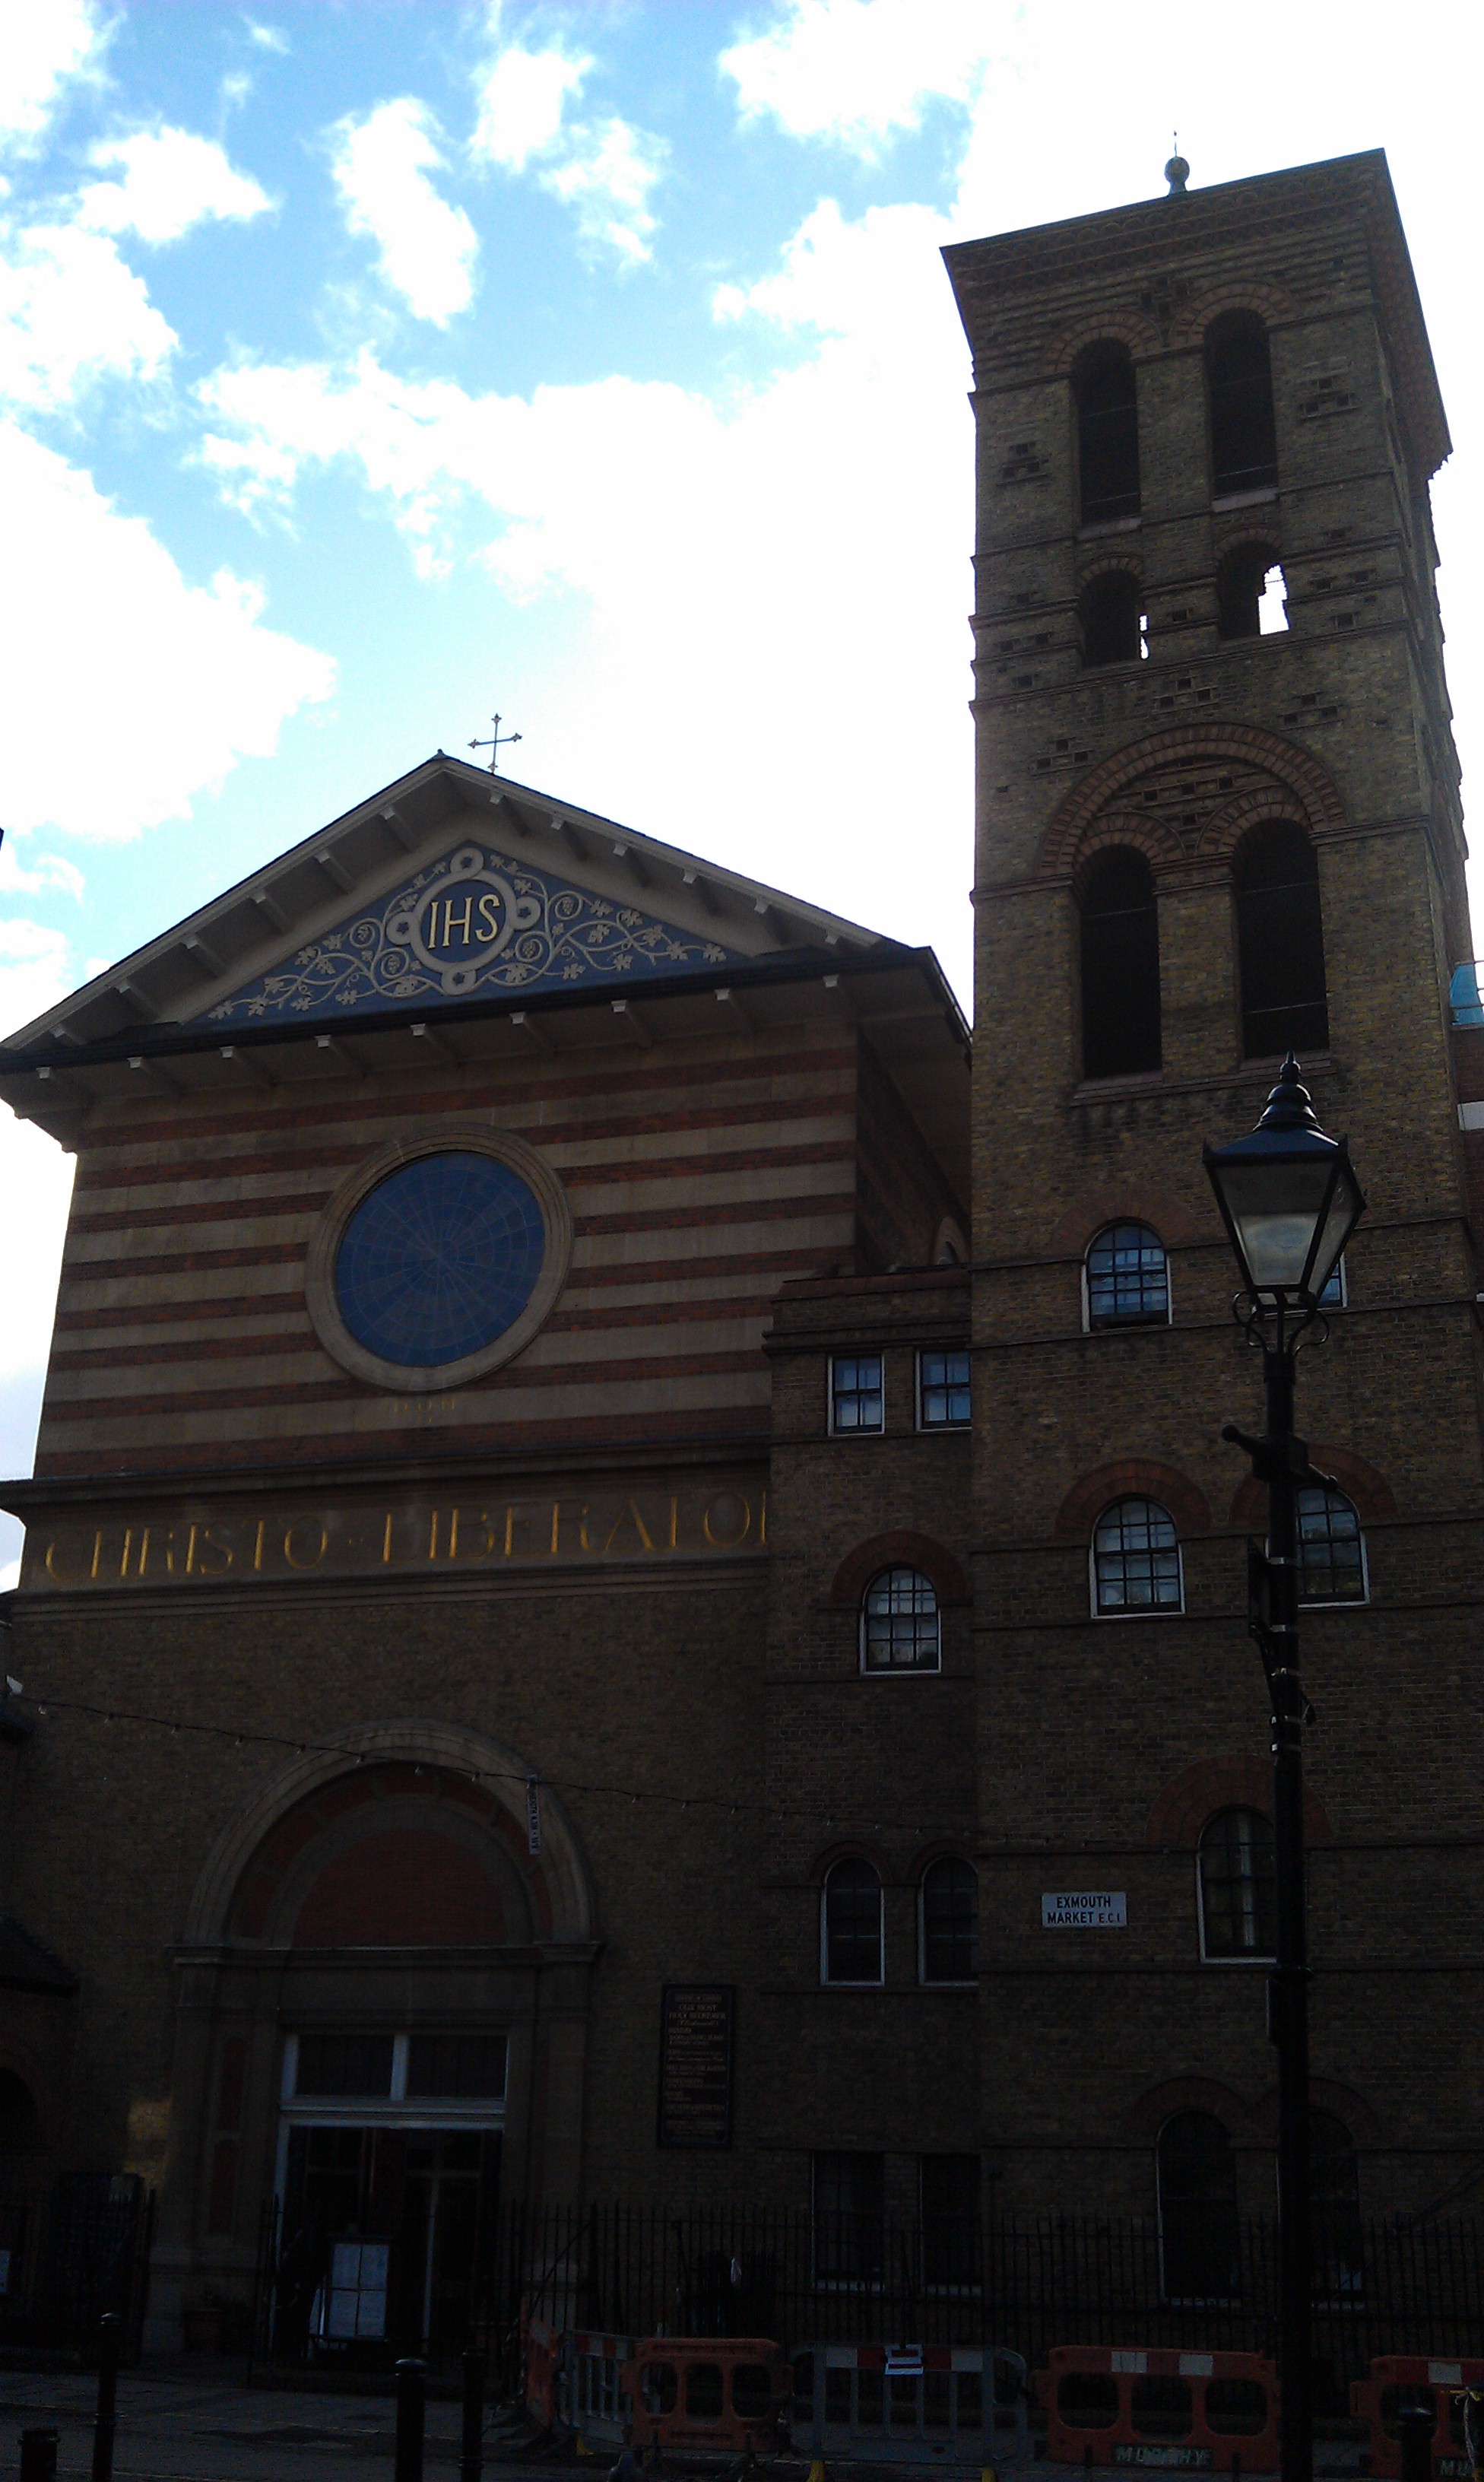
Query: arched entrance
pixel 383 2005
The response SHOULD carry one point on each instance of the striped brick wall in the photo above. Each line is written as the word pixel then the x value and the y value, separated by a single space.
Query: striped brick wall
pixel 700 1176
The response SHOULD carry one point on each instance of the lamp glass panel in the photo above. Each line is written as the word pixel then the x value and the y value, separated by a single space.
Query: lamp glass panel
pixel 1275 1208
pixel 1338 1225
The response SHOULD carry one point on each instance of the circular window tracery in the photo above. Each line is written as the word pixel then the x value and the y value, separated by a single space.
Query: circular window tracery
pixel 438 1261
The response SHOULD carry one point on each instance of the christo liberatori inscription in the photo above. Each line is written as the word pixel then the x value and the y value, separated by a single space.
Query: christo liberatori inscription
pixel 540 1530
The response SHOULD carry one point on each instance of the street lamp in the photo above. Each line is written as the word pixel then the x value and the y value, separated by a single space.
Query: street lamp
pixel 1290 1199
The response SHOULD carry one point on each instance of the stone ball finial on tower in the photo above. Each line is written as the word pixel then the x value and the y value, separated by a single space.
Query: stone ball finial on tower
pixel 1177 171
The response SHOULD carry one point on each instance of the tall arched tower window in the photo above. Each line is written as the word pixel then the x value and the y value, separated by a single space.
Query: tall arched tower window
pixel 1239 381
pixel 1120 941
pixel 1107 435
pixel 1280 941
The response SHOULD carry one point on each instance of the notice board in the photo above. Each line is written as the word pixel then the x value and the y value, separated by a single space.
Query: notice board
pixel 696 2024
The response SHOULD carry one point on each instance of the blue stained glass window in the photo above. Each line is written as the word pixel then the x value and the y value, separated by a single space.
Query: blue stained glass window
pixel 440 1259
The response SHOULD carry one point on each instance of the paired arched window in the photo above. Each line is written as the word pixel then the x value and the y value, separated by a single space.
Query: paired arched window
pixel 1126 1278
pixel 1196 2181
pixel 1239 386
pixel 1331 1549
pixel 1120 965
pixel 1136 1559
pixel 1110 617
pixel 1236 1886
pixel 949 1922
pixel 899 1622
pixel 1107 436
pixel 1251 594
pixel 1279 943
pixel 850 1923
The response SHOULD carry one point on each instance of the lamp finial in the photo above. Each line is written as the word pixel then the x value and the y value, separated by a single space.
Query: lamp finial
pixel 1288 1105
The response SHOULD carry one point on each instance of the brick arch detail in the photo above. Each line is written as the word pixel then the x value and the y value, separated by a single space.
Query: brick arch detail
pixel 472 1772
pixel 1144 2118
pixel 900 1550
pixel 849 1848
pixel 1225 830
pixel 1112 327
pixel 1126 1202
pixel 1375 1500
pixel 1293 769
pixel 1326 2094
pixel 1269 300
pixel 1109 559
pixel 1157 842
pixel 1258 527
pixel 1130 1478
pixel 1239 1780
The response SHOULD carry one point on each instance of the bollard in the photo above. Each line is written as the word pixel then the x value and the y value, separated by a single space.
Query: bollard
pixel 1415 2424
pixel 39 2456
pixel 411 2392
pixel 110 2338
pixel 471 2460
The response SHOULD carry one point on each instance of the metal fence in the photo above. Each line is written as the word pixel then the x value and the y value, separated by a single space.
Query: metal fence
pixel 74 2251
pixel 1026 2284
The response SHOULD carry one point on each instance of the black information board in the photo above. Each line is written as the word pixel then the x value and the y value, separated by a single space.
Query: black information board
pixel 696 2021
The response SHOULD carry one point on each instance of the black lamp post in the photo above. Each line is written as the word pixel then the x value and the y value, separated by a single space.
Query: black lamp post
pixel 1290 1199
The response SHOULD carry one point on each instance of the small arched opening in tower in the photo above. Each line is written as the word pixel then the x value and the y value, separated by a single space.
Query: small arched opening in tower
pixel 1120 966
pixel 1251 593
pixel 1111 618
pixel 1107 438
pixel 1280 942
pixel 1239 386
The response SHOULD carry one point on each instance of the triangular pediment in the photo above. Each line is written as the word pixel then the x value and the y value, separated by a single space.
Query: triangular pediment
pixel 480 921
pixel 366 919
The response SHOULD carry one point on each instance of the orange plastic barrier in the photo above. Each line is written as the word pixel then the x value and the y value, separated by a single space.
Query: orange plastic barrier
pixel 1192 2412
pixel 1399 2379
pixel 727 2392
pixel 543 2361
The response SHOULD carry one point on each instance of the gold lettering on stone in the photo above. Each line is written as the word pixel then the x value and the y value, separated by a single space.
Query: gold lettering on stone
pixel 296 1527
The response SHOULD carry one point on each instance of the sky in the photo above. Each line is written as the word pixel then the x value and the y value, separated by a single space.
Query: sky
pixel 368 365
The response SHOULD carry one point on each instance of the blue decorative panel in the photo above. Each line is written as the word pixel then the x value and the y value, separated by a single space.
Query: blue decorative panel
pixel 440 1259
pixel 471 924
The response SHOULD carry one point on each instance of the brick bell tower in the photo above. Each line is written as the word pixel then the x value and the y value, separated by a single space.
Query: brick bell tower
pixel 1217 814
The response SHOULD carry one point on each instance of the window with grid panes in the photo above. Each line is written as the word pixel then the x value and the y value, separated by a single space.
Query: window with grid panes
pixel 1127 1279
pixel 899 1622
pixel 1136 1559
pixel 942 1390
pixel 951 1922
pixel 849 2206
pixel 1331 1549
pixel 1239 1888
pixel 851 1923
pixel 856 1396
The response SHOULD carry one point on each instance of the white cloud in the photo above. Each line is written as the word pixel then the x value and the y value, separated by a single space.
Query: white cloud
pixel 606 176
pixel 180 682
pixel 604 170
pixel 427 247
pixel 171 180
pixel 522 96
pixel 858 71
pixel 45 46
pixel 48 870
pixel 71 312
pixel 267 38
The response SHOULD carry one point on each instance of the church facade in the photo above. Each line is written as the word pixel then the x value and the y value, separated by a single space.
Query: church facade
pixel 631 1586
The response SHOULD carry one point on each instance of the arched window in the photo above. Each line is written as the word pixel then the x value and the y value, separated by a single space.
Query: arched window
pixel 1127 1279
pixel 1240 380
pixel 1120 942
pixel 1236 1885
pixel 1197 2189
pixel 899 1622
pixel 851 1925
pixel 1279 943
pixel 1110 612
pixel 1136 1559
pixel 1331 1549
pixel 1107 434
pixel 1335 2198
pixel 1250 594
pixel 950 1921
